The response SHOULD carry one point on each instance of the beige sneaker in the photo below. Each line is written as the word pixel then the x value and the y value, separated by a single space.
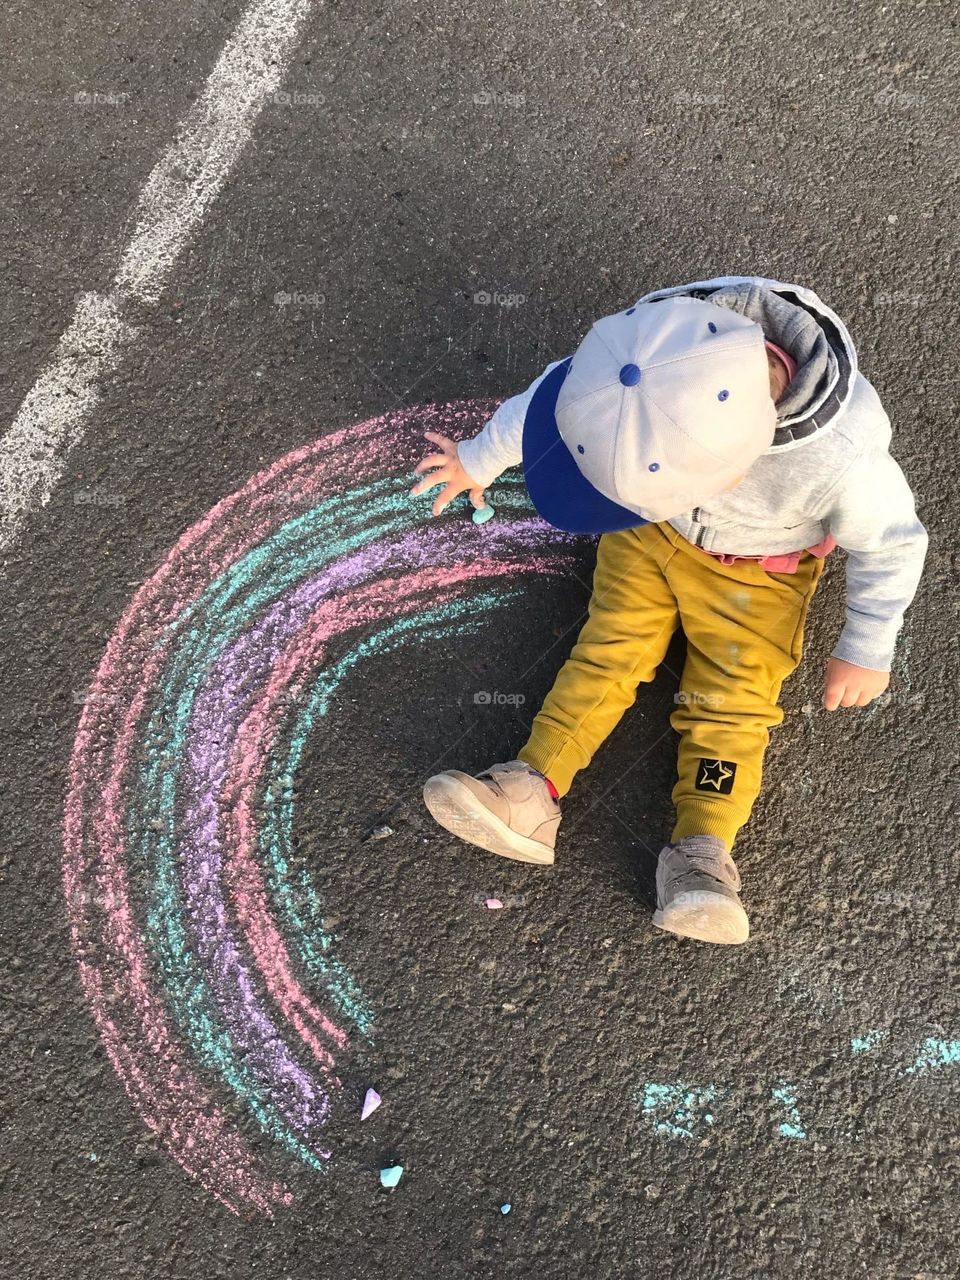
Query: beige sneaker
pixel 506 809
pixel 698 887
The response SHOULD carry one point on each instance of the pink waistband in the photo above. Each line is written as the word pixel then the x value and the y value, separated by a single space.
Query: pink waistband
pixel 786 563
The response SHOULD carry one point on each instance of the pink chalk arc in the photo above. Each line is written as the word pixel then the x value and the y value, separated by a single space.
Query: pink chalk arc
pixel 176 749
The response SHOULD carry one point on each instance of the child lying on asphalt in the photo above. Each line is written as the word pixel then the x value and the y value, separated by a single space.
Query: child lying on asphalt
pixel 720 439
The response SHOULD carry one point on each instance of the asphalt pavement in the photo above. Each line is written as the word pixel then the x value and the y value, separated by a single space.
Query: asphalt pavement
pixel 437 200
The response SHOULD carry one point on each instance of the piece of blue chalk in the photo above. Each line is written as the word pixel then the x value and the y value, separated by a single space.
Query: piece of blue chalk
pixel 390 1176
pixel 505 1208
pixel 482 514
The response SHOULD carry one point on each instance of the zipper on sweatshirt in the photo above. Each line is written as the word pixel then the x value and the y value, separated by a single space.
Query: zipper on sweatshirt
pixel 703 528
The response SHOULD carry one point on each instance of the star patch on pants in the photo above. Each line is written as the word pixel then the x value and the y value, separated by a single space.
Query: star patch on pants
pixel 716 776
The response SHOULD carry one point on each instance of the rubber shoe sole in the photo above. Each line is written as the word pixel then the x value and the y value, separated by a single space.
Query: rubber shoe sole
pixel 711 918
pixel 457 809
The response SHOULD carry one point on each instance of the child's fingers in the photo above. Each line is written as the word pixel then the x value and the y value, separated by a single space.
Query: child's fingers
pixel 443 497
pixel 435 477
pixel 431 460
pixel 832 695
pixel 445 443
pixel 477 498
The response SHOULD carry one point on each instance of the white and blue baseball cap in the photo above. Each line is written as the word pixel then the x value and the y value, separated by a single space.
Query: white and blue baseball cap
pixel 660 407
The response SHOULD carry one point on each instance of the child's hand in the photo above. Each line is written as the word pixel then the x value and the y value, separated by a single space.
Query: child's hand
pixel 450 473
pixel 847 685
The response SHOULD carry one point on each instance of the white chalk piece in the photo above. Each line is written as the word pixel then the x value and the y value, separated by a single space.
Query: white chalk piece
pixel 482 514
pixel 390 1176
pixel 370 1103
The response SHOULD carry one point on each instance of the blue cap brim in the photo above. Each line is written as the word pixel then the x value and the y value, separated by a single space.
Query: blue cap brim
pixel 558 489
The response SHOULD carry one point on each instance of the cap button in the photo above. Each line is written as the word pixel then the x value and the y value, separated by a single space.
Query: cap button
pixel 629 375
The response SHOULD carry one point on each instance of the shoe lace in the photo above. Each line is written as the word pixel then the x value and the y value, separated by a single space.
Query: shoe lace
pixel 494 772
pixel 705 859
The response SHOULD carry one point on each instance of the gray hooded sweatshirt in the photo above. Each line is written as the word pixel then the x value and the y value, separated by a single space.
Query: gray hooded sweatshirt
pixel 828 470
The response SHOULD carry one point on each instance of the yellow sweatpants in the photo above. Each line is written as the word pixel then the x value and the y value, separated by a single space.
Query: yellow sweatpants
pixel 744 632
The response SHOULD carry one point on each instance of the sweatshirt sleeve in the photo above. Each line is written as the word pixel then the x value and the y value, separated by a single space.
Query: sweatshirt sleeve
pixel 872 515
pixel 500 444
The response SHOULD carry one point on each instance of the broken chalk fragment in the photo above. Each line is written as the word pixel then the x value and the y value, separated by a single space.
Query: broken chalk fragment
pixel 381 833
pixel 390 1176
pixel 370 1103
pixel 505 1208
pixel 493 904
pixel 482 514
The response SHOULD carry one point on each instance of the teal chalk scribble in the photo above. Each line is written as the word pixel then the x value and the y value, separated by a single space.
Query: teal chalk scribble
pixel 294 891
pixel 863 1044
pixel 676 1109
pixel 786 1095
pixel 301 547
pixel 933 1055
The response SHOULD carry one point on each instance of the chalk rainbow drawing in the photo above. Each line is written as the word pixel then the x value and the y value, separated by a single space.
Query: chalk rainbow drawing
pixel 198 938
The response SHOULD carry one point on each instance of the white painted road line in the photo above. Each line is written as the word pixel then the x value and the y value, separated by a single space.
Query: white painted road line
pixel 51 419
pixel 186 181
pixel 189 177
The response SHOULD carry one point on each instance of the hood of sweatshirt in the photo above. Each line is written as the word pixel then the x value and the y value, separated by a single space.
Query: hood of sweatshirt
pixel 796 319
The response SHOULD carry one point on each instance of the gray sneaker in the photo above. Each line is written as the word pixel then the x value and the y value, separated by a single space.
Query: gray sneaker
pixel 697 885
pixel 506 809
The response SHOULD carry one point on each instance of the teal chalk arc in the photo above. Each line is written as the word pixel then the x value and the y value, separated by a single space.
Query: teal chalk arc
pixel 198 934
